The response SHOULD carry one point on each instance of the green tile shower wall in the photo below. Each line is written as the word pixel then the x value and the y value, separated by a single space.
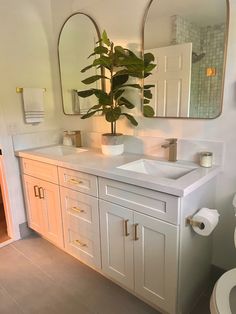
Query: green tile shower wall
pixel 205 91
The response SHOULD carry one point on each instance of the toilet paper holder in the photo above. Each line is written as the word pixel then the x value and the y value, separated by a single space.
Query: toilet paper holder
pixel 190 221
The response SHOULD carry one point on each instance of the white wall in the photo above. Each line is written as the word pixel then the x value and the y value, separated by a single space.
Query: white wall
pixel 24 62
pixel 28 56
pixel 158 32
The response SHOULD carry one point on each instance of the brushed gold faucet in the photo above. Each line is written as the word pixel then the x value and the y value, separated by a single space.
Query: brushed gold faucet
pixel 172 145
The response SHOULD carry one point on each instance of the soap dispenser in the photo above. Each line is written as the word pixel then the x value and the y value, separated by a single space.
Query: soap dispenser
pixel 67 140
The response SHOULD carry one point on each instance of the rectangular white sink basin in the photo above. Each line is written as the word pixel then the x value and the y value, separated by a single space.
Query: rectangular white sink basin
pixel 157 168
pixel 59 150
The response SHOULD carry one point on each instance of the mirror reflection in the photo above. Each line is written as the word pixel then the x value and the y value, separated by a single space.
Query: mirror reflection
pixel 77 39
pixel 188 39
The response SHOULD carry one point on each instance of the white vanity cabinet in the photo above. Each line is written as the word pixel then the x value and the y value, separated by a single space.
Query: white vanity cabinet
pixel 43 201
pixel 133 235
pixel 138 251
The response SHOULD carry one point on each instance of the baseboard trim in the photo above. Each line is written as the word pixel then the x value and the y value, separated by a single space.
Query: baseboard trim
pixel 25 231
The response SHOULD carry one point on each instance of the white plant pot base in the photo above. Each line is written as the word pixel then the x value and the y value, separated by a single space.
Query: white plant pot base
pixel 113 150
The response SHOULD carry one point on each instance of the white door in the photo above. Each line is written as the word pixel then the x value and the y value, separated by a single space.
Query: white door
pixel 172 80
pixel 155 255
pixel 117 243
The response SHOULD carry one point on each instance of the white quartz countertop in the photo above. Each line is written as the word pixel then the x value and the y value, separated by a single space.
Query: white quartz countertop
pixel 94 162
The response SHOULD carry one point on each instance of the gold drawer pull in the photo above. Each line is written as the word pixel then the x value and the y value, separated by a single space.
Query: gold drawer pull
pixel 126 228
pixel 36 191
pixel 74 181
pixel 80 243
pixel 77 209
pixel 136 238
pixel 41 193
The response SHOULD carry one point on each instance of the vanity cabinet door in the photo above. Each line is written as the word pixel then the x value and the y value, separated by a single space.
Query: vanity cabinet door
pixel 156 261
pixel 43 208
pixel 50 198
pixel 117 243
pixel 33 203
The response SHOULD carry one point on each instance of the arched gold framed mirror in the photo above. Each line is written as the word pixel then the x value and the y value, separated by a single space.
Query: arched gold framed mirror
pixel 77 39
pixel 189 40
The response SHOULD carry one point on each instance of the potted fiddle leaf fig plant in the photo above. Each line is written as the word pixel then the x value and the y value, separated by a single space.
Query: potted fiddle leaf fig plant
pixel 121 66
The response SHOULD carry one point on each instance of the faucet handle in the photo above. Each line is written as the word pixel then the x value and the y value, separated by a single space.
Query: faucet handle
pixel 172 145
pixel 172 140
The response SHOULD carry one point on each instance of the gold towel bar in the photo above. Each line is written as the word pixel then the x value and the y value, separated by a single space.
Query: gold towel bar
pixel 20 89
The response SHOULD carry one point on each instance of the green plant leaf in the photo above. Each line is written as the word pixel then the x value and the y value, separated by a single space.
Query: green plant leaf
pixel 146 74
pixel 149 68
pixel 87 68
pixel 103 61
pixel 130 53
pixel 93 79
pixel 113 114
pixel 130 61
pixel 120 50
pixel 86 93
pixel 130 118
pixel 147 94
pixel 119 80
pixel 148 86
pixel 89 114
pixel 148 111
pixel 103 98
pixel 126 102
pixel 118 93
pixel 146 101
pixel 100 50
pixel 148 58
pixel 121 72
pixel 95 107
pixel 105 39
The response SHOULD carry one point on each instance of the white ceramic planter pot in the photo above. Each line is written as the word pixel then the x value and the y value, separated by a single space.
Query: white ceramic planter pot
pixel 112 145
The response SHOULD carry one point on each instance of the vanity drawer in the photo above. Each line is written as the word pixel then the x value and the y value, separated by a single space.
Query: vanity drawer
pixel 81 226
pixel 39 170
pixel 78 181
pixel 149 202
pixel 79 206
pixel 84 247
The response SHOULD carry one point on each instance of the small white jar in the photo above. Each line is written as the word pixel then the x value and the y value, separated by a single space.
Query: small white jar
pixel 206 159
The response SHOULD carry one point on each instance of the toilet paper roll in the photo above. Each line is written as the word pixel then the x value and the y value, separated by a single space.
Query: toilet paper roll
pixel 209 219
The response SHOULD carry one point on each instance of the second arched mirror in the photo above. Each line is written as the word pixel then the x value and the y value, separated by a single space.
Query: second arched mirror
pixel 188 39
pixel 77 39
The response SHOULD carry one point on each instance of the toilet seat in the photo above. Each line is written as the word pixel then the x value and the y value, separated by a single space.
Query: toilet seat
pixel 220 300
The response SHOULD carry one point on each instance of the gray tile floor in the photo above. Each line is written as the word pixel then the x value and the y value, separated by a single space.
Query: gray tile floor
pixel 37 277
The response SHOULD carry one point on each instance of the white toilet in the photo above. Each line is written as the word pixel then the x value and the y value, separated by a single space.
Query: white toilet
pixel 223 298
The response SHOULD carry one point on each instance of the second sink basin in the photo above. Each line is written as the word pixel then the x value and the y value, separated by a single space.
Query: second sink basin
pixel 159 169
pixel 59 150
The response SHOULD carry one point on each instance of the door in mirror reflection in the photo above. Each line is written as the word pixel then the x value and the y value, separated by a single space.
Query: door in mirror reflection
pixel 76 42
pixel 188 39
